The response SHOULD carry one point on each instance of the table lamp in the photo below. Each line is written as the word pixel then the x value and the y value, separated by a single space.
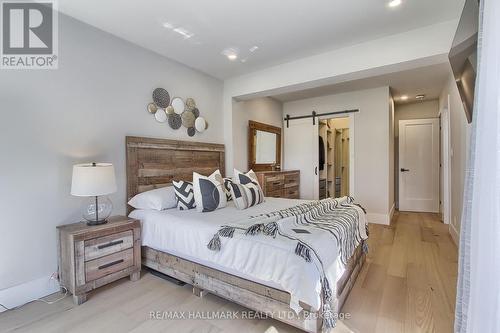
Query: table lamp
pixel 94 180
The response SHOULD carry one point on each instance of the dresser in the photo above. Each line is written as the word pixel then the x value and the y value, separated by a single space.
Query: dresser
pixel 93 256
pixel 280 184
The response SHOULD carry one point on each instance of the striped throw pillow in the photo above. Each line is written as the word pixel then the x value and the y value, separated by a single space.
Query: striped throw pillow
pixel 246 195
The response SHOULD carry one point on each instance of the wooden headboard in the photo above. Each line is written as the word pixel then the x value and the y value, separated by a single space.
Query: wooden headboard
pixel 155 163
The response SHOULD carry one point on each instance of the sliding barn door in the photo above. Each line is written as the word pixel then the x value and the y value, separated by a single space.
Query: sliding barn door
pixel 301 153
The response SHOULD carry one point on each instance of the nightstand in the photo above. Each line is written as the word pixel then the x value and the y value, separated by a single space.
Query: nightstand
pixel 93 256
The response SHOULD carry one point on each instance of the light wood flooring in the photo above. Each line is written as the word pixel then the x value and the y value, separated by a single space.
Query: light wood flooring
pixel 407 285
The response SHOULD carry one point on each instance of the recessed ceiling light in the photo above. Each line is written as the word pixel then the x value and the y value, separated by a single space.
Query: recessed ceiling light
pixel 230 53
pixel 184 33
pixel 404 98
pixel 421 96
pixel 394 3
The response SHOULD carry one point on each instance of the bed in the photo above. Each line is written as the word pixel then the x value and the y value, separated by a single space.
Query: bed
pixel 174 242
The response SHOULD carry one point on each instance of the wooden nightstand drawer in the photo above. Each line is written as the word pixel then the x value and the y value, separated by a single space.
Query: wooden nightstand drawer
pixel 103 246
pixel 98 268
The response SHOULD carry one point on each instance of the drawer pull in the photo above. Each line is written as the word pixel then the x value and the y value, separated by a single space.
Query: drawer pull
pixel 277 183
pixel 110 264
pixel 100 247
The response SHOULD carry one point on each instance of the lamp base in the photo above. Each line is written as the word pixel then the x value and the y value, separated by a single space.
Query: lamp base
pixel 90 223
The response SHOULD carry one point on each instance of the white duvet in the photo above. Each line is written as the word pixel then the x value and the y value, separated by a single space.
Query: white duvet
pixel 187 233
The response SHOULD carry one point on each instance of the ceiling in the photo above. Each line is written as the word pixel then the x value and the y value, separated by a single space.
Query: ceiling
pixel 429 80
pixel 196 32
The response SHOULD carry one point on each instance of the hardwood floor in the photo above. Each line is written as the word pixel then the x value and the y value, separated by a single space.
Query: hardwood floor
pixel 407 285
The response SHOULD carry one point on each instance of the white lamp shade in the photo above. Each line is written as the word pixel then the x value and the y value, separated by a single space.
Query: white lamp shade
pixel 93 179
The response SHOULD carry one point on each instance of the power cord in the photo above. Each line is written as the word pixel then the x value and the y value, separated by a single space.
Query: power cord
pixel 40 299
pixel 56 300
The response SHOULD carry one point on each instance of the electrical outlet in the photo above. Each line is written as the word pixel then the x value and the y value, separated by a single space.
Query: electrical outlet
pixel 55 276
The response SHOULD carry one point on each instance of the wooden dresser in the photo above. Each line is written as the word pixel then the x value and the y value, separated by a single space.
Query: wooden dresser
pixel 93 256
pixel 280 184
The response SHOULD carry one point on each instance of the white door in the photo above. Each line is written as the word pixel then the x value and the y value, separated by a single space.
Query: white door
pixel 301 153
pixel 419 165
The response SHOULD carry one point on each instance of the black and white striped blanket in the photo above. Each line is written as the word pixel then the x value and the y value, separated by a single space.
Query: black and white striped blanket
pixel 318 231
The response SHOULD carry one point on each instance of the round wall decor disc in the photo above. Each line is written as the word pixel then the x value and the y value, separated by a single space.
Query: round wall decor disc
pixel 191 131
pixel 161 97
pixel 170 109
pixel 190 103
pixel 161 116
pixel 196 112
pixel 152 108
pixel 178 105
pixel 187 119
pixel 174 121
pixel 200 124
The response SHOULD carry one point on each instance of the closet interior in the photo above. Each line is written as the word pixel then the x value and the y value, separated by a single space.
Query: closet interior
pixel 333 157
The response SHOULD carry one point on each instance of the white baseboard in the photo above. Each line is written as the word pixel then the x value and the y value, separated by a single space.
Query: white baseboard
pixel 27 292
pixel 378 218
pixel 454 234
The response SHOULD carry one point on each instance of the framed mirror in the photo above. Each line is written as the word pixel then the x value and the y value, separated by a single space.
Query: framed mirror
pixel 264 147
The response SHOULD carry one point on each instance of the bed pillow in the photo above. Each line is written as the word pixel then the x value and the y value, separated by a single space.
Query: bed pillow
pixel 244 178
pixel 157 199
pixel 246 195
pixel 209 193
pixel 227 188
pixel 184 195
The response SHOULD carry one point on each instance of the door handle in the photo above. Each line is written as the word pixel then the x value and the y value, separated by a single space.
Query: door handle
pixel 316 171
pixel 404 170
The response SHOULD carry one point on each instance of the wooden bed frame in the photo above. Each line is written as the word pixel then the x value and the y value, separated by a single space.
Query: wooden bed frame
pixel 154 163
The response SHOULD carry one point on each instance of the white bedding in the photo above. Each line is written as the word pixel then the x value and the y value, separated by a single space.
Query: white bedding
pixel 187 233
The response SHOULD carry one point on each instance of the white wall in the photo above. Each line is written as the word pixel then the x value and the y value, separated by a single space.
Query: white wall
pixel 78 113
pixel 459 146
pixel 418 110
pixel 371 143
pixel 264 110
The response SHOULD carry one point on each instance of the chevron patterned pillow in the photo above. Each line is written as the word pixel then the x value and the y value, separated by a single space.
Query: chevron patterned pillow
pixel 184 194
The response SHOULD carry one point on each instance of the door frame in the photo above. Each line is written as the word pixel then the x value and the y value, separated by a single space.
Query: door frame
pixel 401 123
pixel 444 115
pixel 352 117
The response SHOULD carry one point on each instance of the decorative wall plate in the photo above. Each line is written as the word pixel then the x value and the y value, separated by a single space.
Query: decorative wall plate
pixel 188 119
pixel 152 108
pixel 190 103
pixel 196 112
pixel 170 109
pixel 161 97
pixel 161 116
pixel 191 131
pixel 174 121
pixel 200 124
pixel 178 105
